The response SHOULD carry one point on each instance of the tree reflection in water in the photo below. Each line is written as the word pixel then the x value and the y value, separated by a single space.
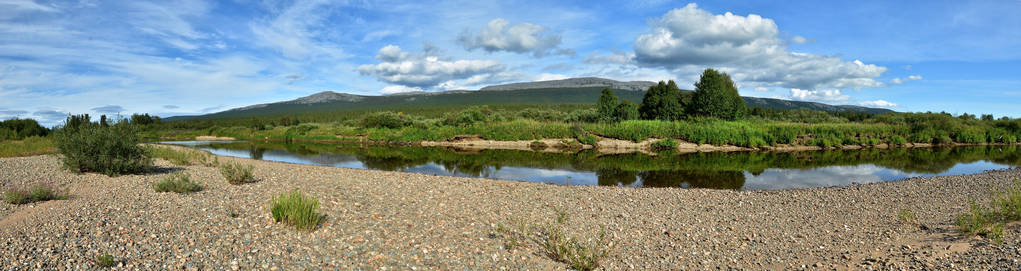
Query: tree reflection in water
pixel 700 170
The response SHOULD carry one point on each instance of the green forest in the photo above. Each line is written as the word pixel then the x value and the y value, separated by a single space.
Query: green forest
pixel 711 114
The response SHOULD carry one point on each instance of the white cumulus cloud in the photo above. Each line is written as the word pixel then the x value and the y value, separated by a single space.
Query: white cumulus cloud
pixel 689 39
pixel 425 70
pixel 829 95
pixel 499 35
pixel 878 103
pixel 398 89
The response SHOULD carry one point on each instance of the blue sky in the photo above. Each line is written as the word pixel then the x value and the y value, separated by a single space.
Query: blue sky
pixel 193 56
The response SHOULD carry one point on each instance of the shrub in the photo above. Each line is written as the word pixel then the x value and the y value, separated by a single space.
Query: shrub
pixel 897 140
pixel 943 140
pixel 236 173
pixel 296 209
pixel 665 144
pixel 583 115
pixel 588 139
pixel 541 114
pixel 35 193
pixel 111 150
pixel 385 119
pixel 179 183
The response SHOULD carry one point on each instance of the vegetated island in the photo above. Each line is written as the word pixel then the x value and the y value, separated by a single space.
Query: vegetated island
pixel 586 113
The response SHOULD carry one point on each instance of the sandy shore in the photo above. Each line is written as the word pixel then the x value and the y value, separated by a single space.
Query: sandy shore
pixel 377 219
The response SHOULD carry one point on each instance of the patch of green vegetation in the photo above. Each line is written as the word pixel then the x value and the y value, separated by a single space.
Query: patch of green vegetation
pixel 296 209
pixel 105 261
pixel 577 255
pixel 538 145
pixel 568 144
pixel 27 147
pixel 34 193
pixel 108 149
pixel 905 215
pixel 178 183
pixel 18 129
pixel 236 173
pixel 588 139
pixel 988 221
pixel 180 156
pixel 554 241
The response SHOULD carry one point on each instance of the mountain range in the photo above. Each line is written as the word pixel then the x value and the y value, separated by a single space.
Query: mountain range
pixel 566 91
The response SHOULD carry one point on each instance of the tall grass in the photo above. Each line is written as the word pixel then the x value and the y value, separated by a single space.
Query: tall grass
pixel 27 147
pixel 296 209
pixel 33 193
pixel 236 173
pixel 179 183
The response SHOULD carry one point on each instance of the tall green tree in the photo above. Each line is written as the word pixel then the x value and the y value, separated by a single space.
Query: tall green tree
pixel 716 96
pixel 606 105
pixel 625 111
pixel 662 102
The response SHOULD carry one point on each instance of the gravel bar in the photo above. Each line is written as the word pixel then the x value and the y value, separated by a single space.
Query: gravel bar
pixel 379 220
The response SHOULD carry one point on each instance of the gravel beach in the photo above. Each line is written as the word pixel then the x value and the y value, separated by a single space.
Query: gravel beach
pixel 378 220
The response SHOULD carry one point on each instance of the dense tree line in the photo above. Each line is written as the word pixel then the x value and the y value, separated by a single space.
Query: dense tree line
pixel 715 96
pixel 16 129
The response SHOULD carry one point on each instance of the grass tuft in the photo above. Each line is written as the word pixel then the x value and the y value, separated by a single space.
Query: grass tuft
pixel 296 209
pixel 179 183
pixel 105 261
pixel 905 215
pixel 236 173
pixel 556 243
pixel 665 144
pixel 559 246
pixel 989 221
pixel 34 193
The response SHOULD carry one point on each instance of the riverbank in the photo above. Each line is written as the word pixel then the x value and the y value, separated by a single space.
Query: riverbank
pixel 602 145
pixel 380 219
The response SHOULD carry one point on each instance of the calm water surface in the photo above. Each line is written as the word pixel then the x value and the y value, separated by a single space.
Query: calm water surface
pixel 740 170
